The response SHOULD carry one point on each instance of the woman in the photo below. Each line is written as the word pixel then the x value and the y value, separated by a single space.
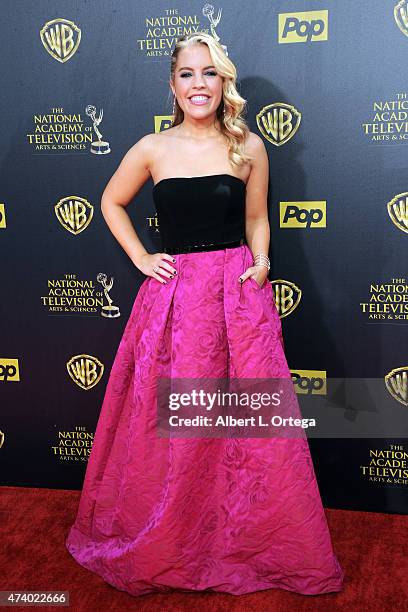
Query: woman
pixel 226 514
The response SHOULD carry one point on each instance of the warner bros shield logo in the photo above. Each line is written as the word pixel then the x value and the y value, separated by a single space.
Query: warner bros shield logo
pixel 401 16
pixel 74 213
pixel 287 296
pixel 60 38
pixel 396 382
pixel 85 370
pixel 398 211
pixel 278 122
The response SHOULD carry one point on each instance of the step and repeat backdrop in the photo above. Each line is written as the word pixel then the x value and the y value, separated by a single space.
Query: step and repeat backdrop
pixel 326 87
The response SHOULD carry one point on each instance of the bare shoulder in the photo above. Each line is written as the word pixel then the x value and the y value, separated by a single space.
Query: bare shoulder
pixel 144 145
pixel 152 146
pixel 255 148
pixel 254 145
pixel 259 175
pixel 156 138
pixel 143 152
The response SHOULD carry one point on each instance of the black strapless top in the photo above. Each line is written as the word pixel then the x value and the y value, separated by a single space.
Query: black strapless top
pixel 200 211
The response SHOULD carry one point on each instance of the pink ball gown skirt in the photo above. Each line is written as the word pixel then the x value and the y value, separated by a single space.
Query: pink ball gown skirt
pixel 235 515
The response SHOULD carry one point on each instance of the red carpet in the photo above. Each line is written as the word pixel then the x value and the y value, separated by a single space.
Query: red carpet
pixel 372 549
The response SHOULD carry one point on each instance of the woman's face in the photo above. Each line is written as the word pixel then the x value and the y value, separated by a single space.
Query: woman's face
pixel 195 76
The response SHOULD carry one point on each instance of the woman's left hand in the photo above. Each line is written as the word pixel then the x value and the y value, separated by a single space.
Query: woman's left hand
pixel 258 273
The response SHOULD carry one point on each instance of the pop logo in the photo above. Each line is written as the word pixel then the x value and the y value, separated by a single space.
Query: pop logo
pixel 302 214
pixel 162 122
pixel 9 371
pixel 308 26
pixel 310 382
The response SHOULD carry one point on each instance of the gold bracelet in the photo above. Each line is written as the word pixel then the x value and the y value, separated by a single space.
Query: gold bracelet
pixel 262 260
pixel 263 265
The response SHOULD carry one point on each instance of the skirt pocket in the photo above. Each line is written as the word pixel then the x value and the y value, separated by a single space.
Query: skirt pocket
pixel 255 283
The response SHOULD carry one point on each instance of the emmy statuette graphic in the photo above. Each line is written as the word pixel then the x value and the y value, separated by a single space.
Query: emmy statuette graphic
pixel 99 147
pixel 108 311
pixel 208 11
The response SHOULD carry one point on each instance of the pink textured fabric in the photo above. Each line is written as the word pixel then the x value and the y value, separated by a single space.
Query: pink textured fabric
pixel 232 515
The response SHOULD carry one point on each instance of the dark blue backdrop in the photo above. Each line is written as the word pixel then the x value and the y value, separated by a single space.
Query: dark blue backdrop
pixel 121 64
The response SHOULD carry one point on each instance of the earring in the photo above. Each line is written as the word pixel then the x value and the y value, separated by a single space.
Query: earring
pixel 174 104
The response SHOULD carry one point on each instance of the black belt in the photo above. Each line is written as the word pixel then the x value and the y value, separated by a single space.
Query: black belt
pixel 179 249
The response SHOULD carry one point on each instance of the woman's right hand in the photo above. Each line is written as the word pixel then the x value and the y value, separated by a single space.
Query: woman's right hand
pixel 156 265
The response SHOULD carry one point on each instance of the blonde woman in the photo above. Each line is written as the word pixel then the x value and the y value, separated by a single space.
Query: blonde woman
pixel 231 514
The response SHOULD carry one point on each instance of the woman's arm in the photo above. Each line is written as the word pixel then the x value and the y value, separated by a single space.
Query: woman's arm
pixel 132 173
pixel 256 206
pixel 128 179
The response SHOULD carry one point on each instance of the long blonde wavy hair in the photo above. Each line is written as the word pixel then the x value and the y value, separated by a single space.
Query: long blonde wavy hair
pixel 232 123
